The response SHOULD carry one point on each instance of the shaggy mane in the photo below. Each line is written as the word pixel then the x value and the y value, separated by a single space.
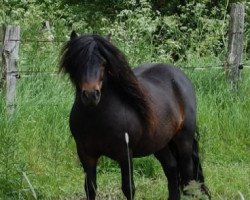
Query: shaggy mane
pixel 80 50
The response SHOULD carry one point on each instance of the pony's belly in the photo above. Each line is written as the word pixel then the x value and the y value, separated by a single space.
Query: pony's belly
pixel 116 148
pixel 151 145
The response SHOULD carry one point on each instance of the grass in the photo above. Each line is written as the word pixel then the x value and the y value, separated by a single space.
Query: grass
pixel 36 141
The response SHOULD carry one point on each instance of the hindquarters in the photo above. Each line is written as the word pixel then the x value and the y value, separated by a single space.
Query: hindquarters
pixel 172 96
pixel 175 104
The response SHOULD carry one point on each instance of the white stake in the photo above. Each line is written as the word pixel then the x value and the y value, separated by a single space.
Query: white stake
pixel 129 164
pixel 126 138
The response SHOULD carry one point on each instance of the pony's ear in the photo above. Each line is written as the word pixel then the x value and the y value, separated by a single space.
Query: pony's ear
pixel 73 35
pixel 109 37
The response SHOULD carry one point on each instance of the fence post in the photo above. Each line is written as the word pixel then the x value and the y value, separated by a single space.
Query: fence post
pixel 235 44
pixel 1 51
pixel 10 58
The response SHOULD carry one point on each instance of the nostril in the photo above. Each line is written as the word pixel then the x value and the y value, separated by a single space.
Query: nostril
pixel 97 93
pixel 90 97
pixel 90 94
pixel 84 94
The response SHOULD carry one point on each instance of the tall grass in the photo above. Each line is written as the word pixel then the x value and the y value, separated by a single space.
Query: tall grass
pixel 36 141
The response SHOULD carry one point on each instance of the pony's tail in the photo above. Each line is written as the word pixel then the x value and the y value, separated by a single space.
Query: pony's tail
pixel 198 172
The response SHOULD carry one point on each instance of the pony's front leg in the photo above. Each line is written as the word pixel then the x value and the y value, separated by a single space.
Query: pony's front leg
pixel 90 181
pixel 126 166
pixel 89 165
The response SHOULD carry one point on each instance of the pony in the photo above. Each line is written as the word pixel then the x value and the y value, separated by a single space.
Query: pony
pixel 123 113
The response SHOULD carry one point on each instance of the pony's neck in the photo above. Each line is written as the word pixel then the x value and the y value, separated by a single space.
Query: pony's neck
pixel 132 93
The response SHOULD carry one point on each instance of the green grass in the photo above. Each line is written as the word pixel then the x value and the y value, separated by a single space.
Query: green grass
pixel 37 141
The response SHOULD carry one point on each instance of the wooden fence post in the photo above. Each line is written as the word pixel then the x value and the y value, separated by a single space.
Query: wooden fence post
pixel 10 58
pixel 235 44
pixel 1 51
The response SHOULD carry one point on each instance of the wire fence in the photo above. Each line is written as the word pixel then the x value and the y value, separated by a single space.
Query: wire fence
pixel 40 57
pixel 21 73
pixel 27 73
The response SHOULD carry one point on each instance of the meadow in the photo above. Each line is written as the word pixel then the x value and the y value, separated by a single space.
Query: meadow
pixel 38 158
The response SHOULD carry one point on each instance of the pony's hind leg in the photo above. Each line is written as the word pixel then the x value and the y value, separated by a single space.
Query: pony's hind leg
pixel 188 158
pixel 198 172
pixel 170 168
pixel 184 148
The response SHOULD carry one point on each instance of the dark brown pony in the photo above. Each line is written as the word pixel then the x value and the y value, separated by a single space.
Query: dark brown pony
pixel 154 104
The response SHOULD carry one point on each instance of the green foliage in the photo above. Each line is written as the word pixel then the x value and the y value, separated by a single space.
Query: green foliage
pixel 196 26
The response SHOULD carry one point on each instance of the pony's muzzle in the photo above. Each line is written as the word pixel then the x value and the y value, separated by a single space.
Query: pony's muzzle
pixel 91 97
